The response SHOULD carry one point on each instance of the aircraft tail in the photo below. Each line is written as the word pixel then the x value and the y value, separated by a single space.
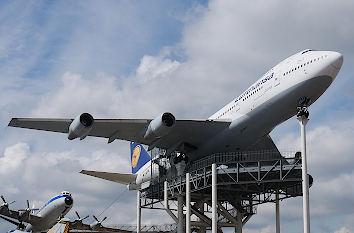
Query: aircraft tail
pixel 60 227
pixel 139 156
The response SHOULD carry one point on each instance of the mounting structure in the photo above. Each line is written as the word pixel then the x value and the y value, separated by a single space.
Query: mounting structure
pixel 223 190
pixel 303 118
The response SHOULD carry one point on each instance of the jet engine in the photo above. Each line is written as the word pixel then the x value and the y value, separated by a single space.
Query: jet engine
pixel 160 126
pixel 81 126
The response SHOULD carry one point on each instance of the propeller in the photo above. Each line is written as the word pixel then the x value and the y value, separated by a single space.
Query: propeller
pixel 5 203
pixel 79 219
pixel 27 211
pixel 97 223
pixel 98 220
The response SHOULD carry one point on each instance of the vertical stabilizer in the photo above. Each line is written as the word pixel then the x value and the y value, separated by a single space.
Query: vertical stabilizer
pixel 60 227
pixel 139 156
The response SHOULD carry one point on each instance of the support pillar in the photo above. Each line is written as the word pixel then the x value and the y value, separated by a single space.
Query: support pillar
pixel 167 208
pixel 138 212
pixel 277 216
pixel 302 117
pixel 188 204
pixel 202 229
pixel 180 214
pixel 239 217
pixel 214 199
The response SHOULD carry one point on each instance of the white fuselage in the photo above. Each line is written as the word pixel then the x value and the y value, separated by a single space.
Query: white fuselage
pixel 269 101
pixel 272 99
pixel 145 174
pixel 51 212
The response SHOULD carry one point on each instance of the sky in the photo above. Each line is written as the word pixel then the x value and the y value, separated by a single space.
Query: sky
pixel 137 59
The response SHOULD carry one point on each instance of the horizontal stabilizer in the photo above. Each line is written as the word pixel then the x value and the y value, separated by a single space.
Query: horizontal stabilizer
pixel 115 177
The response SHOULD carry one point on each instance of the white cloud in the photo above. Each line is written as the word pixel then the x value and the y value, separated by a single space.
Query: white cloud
pixel 223 48
pixel 343 230
pixel 267 229
pixel 152 67
pixel 13 157
pixel 328 147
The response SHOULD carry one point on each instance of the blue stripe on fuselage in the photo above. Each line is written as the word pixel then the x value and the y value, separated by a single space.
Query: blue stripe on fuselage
pixel 51 200
pixel 265 79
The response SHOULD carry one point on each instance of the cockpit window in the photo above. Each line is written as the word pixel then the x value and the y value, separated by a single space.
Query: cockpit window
pixel 307 50
pixel 64 193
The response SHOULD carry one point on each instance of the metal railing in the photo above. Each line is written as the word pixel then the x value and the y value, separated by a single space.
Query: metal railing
pixel 247 156
pixel 170 227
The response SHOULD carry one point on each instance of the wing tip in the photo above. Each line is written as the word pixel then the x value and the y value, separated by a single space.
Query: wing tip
pixel 84 172
pixel 13 122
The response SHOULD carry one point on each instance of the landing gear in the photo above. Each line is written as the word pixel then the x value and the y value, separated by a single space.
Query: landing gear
pixel 21 226
pixel 303 101
pixel 302 111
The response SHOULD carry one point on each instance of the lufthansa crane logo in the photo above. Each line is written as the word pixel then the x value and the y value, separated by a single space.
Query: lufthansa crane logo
pixel 136 155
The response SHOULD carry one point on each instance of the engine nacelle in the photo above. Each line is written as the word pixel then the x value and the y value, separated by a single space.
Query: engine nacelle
pixel 81 126
pixel 160 126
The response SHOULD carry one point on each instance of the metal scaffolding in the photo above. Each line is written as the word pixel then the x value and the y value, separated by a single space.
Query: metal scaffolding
pixel 224 189
pixel 146 228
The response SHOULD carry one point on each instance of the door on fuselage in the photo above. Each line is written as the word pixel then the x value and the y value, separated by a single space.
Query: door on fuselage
pixel 276 79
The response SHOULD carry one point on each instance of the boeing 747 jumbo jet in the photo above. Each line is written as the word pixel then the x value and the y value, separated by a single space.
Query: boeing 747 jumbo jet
pixel 243 124
pixel 48 216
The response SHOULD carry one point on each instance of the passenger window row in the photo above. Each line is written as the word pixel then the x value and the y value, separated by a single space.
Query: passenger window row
pixel 252 93
pixel 303 65
pixel 286 73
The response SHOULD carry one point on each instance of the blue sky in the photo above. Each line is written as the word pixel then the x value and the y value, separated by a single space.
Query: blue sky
pixel 137 59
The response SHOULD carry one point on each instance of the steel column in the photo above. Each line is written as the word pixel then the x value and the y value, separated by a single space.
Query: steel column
pixel 305 181
pixel 138 211
pixel 180 213
pixel 188 204
pixel 167 208
pixel 239 225
pixel 202 229
pixel 214 199
pixel 277 217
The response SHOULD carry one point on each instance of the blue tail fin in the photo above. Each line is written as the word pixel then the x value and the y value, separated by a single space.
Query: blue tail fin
pixel 139 156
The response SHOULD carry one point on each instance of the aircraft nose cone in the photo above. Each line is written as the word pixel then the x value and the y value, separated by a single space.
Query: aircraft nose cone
pixel 337 60
pixel 69 201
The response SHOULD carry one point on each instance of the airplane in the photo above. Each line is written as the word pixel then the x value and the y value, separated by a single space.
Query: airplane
pixel 243 124
pixel 60 227
pixel 143 170
pixel 44 219
pixel 48 216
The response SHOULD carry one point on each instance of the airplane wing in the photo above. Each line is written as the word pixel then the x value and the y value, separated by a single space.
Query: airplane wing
pixel 192 132
pixel 28 218
pixel 115 177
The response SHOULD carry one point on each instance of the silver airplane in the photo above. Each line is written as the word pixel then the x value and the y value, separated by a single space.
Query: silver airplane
pixel 48 216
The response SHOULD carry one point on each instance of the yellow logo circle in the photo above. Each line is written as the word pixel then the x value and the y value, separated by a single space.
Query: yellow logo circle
pixel 136 155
